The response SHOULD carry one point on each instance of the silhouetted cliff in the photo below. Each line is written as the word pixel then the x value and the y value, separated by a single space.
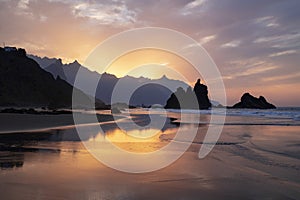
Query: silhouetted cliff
pixel 24 84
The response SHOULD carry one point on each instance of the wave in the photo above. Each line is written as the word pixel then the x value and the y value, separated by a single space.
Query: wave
pixel 291 113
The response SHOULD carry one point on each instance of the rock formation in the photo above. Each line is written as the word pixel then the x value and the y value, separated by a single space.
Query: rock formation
pixel 249 101
pixel 202 95
pixel 190 99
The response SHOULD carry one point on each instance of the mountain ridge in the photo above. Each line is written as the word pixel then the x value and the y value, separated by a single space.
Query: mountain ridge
pixel 164 86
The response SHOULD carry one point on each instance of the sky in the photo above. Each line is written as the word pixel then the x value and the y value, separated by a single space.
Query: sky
pixel 255 44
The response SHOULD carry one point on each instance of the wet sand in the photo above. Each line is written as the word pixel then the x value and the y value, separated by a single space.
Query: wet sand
pixel 248 162
pixel 11 122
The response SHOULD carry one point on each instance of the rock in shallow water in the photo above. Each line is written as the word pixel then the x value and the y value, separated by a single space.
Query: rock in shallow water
pixel 249 101
pixel 190 99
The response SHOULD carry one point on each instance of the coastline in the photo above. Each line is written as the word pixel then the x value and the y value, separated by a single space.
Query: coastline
pixel 43 121
pixel 18 123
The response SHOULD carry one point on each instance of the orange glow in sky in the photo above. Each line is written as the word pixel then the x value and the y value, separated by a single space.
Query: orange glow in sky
pixel 256 52
pixel 154 64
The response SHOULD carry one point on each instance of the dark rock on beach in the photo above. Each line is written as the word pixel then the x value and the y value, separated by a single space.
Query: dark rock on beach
pixel 202 95
pixel 249 101
pixel 196 98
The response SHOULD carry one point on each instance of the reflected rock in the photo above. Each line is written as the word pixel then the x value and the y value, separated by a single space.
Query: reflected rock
pixel 11 161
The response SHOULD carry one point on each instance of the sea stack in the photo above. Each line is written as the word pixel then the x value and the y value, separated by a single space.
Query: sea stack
pixel 202 95
pixel 251 102
pixel 196 98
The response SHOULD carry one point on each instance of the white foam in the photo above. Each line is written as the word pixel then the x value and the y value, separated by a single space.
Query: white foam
pixel 281 113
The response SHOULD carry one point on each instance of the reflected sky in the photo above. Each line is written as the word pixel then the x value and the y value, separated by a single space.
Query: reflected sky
pixel 138 140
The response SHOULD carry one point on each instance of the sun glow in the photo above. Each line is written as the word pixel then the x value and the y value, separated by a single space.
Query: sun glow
pixel 152 63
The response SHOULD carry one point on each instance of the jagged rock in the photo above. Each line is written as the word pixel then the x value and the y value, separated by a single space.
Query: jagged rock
pixel 202 95
pixel 190 99
pixel 56 69
pixel 249 101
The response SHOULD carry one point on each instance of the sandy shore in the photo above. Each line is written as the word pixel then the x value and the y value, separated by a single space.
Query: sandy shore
pixel 10 122
pixel 248 162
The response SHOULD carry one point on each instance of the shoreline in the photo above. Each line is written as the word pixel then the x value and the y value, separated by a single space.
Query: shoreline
pixel 18 123
pixel 22 123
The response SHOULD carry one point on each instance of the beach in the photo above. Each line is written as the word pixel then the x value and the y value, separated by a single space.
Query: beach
pixel 256 157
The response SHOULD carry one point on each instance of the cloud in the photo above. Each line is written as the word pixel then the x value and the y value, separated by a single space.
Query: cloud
pixel 251 71
pixel 194 4
pixel 231 44
pixel 283 53
pixel 257 70
pixel 115 13
pixel 23 8
pixel 282 77
pixel 23 4
pixel 248 63
pixel 43 18
pixel 281 41
pixel 278 38
pixel 187 9
pixel 207 39
pixel 107 14
pixel 268 21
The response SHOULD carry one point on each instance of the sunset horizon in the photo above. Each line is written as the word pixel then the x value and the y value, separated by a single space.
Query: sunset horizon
pixel 250 49
pixel 232 94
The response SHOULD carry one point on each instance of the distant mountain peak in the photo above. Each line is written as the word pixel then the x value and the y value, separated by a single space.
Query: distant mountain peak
pixel 164 77
pixel 162 86
pixel 75 62
pixel 43 62
pixel 108 75
pixel 59 62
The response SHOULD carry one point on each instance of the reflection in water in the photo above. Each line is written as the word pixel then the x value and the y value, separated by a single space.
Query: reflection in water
pixel 137 140
pixel 67 140
pixel 10 160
